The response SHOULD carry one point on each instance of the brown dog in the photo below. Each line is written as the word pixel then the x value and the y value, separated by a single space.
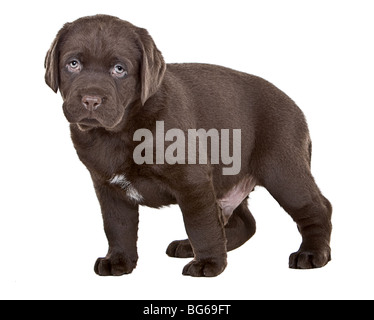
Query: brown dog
pixel 130 114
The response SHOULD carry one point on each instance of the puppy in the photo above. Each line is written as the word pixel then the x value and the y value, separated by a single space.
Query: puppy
pixel 197 135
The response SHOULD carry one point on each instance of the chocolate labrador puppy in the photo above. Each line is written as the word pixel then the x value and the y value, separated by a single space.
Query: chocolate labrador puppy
pixel 197 135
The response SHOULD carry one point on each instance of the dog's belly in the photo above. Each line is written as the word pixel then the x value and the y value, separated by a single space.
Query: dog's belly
pixel 228 203
pixel 234 197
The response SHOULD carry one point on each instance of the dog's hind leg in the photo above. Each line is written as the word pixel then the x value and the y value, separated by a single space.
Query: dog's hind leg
pixel 291 183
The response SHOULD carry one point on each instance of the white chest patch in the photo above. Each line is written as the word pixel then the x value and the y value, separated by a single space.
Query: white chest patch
pixel 121 181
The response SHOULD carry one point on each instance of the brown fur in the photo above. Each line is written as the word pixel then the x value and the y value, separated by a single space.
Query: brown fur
pixel 276 147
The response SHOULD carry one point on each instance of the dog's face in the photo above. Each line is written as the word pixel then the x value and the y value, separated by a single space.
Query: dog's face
pixel 102 65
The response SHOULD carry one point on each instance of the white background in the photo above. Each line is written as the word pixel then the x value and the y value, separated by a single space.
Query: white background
pixel 320 53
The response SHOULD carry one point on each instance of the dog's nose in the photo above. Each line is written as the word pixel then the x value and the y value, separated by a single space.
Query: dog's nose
pixel 91 103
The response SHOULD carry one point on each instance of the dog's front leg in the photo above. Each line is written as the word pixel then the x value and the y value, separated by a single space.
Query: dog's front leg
pixel 202 219
pixel 121 220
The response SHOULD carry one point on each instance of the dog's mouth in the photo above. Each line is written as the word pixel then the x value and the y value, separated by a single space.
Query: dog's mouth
pixel 89 123
pixel 106 118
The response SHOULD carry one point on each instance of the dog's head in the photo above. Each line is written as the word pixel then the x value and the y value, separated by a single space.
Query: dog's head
pixel 102 65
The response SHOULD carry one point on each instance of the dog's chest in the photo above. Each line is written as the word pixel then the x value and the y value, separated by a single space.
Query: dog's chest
pixel 141 190
pixel 120 180
pixel 110 161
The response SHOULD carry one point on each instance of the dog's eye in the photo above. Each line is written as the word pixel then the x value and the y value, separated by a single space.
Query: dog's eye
pixel 74 66
pixel 119 71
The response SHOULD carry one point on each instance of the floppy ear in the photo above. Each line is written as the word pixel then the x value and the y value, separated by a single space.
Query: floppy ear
pixel 51 67
pixel 51 62
pixel 152 65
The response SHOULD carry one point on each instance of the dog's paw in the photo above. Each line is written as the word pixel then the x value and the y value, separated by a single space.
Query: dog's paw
pixel 117 265
pixel 309 259
pixel 211 267
pixel 180 249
